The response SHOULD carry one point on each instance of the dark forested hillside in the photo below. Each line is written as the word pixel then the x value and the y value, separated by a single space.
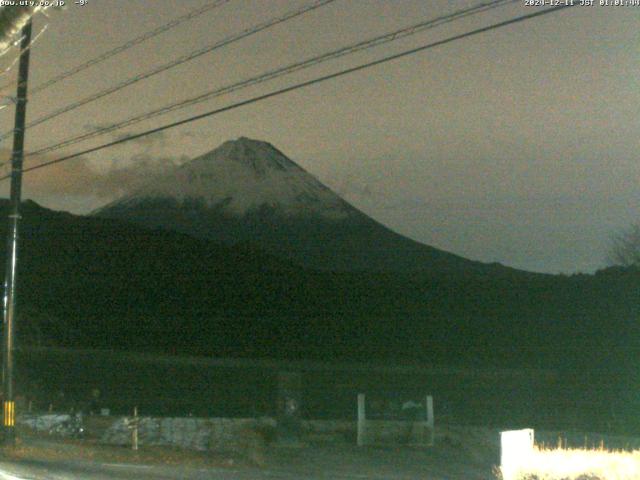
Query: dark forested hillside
pixel 92 282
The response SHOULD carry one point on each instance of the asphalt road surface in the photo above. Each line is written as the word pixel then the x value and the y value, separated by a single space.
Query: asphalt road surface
pixel 325 463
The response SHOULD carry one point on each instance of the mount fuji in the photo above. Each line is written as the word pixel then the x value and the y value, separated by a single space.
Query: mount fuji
pixel 248 192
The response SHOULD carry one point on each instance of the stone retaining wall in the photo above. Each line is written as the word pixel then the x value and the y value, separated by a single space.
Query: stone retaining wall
pixel 215 434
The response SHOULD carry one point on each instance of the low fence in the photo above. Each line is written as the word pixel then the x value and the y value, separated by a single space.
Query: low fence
pixel 416 428
pixel 218 434
pixel 203 434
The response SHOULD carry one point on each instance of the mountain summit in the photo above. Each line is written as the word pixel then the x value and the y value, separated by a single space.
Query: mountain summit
pixel 247 191
pixel 242 177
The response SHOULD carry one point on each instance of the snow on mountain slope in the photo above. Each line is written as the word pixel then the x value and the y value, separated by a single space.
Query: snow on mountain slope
pixel 247 191
pixel 243 176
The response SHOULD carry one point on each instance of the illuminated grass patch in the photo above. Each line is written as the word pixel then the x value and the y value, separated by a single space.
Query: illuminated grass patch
pixel 576 464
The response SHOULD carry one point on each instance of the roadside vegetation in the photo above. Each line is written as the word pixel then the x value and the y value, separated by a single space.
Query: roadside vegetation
pixel 578 464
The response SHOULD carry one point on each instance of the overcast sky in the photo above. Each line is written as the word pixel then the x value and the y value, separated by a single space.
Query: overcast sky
pixel 518 146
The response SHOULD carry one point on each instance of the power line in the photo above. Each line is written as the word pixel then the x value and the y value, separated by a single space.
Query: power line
pixel 297 86
pixel 175 63
pixel 126 46
pixel 281 71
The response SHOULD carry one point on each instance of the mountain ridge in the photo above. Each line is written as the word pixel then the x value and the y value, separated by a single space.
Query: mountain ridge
pixel 112 284
pixel 247 191
pixel 240 176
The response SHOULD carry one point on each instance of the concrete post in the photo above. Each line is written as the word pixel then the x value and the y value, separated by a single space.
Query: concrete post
pixel 430 419
pixel 516 448
pixel 134 431
pixel 289 427
pixel 362 419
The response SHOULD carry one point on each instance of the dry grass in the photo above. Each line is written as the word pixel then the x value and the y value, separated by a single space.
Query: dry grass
pixel 72 450
pixel 577 464
pixel 32 445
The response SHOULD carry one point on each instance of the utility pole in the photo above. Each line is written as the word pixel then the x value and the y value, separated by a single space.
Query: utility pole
pixel 9 417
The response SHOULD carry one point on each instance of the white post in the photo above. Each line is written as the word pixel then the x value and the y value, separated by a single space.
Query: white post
pixel 516 448
pixel 430 419
pixel 362 418
pixel 134 432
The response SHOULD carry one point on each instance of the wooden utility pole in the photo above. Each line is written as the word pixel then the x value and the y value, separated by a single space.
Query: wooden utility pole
pixel 9 410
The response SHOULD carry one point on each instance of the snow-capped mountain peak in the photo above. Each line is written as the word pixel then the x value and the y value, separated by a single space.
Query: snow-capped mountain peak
pixel 246 175
pixel 247 191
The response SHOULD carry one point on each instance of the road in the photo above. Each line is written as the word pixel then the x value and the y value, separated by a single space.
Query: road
pixel 102 471
pixel 310 464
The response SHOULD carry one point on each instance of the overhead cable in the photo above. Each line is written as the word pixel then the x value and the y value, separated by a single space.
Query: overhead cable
pixel 162 68
pixel 126 46
pixel 297 86
pixel 278 72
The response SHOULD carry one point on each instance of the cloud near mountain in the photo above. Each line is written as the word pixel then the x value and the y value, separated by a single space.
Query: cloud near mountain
pixel 104 178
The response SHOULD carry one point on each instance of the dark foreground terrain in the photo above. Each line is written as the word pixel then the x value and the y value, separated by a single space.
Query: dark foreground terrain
pixel 94 284
pixel 460 453
pixel 453 458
